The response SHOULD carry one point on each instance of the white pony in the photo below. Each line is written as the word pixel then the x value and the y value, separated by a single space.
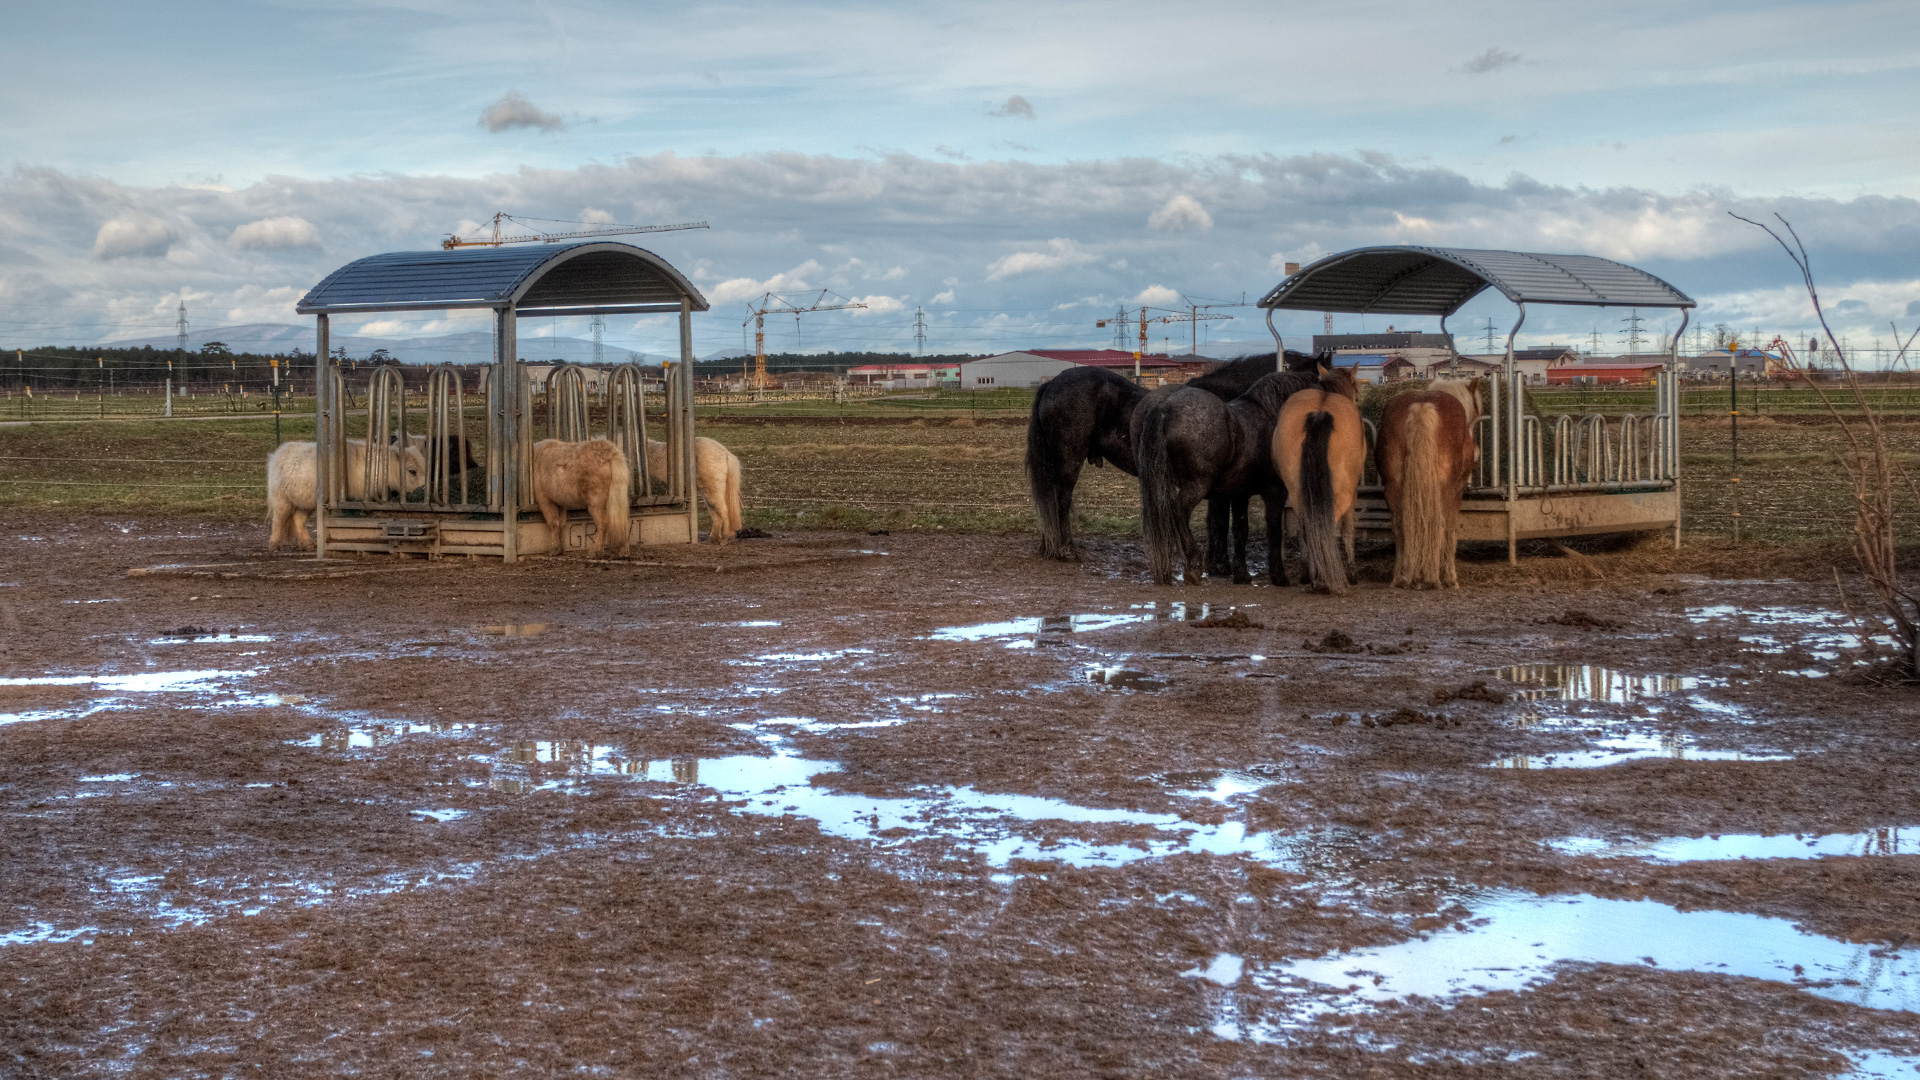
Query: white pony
pixel 293 484
pixel 717 472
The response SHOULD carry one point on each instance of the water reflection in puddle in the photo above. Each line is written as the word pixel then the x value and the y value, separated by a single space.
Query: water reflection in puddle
pixel 1885 841
pixel 1053 629
pixel 1823 634
pixel 1590 682
pixel 1632 746
pixel 992 824
pixel 146 682
pixel 1120 678
pixel 372 736
pixel 521 629
pixel 1511 941
pixel 212 639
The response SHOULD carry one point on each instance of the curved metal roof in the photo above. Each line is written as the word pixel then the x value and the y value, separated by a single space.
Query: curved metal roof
pixel 538 279
pixel 1412 280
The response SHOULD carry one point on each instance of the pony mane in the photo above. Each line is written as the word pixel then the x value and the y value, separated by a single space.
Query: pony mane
pixel 1340 381
pixel 1273 390
pixel 1465 391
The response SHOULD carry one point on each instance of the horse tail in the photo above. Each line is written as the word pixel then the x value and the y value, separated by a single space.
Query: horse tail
pixel 619 514
pixel 1052 493
pixel 1319 533
pixel 1423 527
pixel 1159 504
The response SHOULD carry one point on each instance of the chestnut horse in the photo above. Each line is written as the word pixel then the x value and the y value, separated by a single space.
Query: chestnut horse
pixel 1426 455
pixel 1319 450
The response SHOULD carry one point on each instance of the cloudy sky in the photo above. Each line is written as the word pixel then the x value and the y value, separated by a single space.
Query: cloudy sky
pixel 1018 170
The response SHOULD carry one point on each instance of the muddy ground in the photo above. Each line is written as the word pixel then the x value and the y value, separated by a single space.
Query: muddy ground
pixel 839 804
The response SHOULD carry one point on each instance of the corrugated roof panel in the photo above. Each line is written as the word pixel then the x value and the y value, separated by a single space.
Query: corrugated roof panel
pixel 533 277
pixel 1414 280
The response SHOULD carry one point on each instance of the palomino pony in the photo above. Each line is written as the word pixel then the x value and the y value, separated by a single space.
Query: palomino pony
pixel 717 472
pixel 293 485
pixel 590 476
pixel 1426 454
pixel 1192 445
pixel 1319 450
pixel 1085 415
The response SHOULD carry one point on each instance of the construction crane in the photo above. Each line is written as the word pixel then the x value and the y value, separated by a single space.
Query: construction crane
pixel 496 240
pixel 757 313
pixel 1193 316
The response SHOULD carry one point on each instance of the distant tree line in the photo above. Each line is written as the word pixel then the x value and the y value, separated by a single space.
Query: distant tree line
pixel 836 362
pixel 54 368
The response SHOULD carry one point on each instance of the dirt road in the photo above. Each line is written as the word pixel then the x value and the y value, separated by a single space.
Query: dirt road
pixel 839 804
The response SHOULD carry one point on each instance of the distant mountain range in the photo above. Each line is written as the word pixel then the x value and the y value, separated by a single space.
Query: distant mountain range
pixel 466 348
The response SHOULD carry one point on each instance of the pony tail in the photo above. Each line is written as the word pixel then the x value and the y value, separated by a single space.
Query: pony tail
pixel 1423 527
pixel 619 513
pixel 734 520
pixel 1052 495
pixel 1319 535
pixel 1159 520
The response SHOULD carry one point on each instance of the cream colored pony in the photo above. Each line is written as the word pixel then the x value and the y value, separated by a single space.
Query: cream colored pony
pixel 717 473
pixel 293 485
pixel 590 476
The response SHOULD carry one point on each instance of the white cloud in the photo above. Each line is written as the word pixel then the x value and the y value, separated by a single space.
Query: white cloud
pixel 514 110
pixel 746 288
pixel 1179 213
pixel 894 273
pixel 129 236
pixel 878 305
pixel 275 232
pixel 1157 296
pixel 942 297
pixel 253 304
pixel 596 217
pixel 1060 253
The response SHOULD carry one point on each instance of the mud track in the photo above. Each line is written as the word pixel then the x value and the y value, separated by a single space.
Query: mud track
pixel 911 805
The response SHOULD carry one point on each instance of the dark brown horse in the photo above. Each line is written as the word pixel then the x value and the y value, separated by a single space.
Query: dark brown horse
pixel 1084 415
pixel 1193 445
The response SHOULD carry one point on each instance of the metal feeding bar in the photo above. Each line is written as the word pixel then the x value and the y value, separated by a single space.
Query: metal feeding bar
pixel 453 511
pixel 1583 477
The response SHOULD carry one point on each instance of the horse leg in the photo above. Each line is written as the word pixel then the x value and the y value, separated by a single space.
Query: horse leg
pixel 1346 535
pixel 1057 530
pixel 299 531
pixel 1242 509
pixel 1275 503
pixel 1218 513
pixel 555 519
pixel 1189 548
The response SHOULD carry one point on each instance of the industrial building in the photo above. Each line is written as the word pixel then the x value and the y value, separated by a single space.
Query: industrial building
pixel 1032 367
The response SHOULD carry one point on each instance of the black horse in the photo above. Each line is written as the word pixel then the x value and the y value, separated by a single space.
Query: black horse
pixel 1191 446
pixel 1085 415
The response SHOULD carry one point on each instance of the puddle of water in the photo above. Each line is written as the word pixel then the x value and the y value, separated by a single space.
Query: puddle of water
pixel 821 727
pixel 1228 785
pixel 148 682
pixel 1513 940
pixel 1887 841
pixel 1881 1065
pixel 1224 970
pixel 1824 634
pixel 373 736
pixel 1591 682
pixel 109 600
pixel 991 824
pixel 800 657
pixel 109 778
pixel 1043 628
pixel 1120 678
pixel 1635 746
pixel 440 815
pixel 212 639
pixel 45 932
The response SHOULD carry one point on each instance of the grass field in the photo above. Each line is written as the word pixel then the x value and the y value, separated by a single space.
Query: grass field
pixel 916 471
